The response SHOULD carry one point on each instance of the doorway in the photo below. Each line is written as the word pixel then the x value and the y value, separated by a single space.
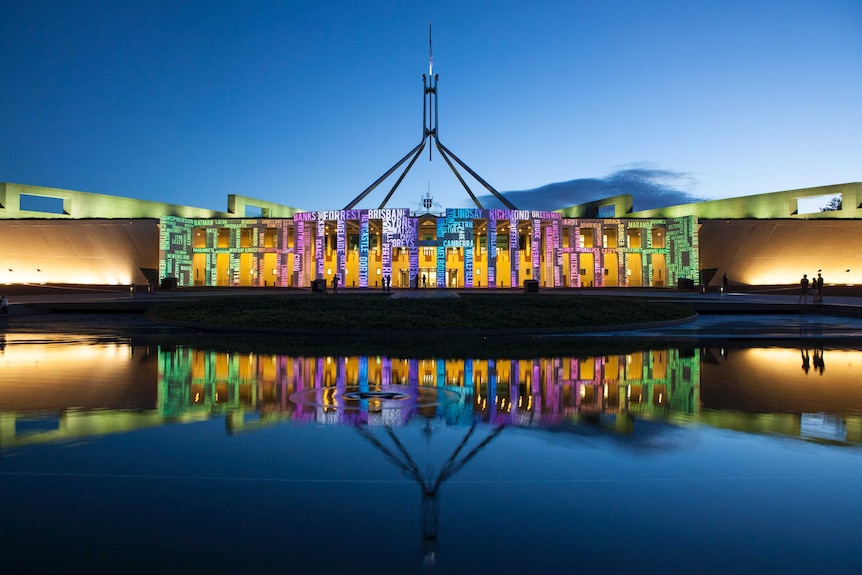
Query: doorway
pixel 452 277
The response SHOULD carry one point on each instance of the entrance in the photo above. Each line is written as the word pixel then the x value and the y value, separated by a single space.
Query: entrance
pixel 452 277
pixel 430 277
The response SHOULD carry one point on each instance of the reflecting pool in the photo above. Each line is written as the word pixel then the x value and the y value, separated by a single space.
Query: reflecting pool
pixel 161 456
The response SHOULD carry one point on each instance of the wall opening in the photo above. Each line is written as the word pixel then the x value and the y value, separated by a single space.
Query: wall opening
pixel 817 204
pixel 44 204
pixel 607 211
pixel 256 211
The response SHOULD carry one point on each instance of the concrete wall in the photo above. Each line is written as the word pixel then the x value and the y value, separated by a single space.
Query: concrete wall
pixel 773 252
pixel 621 206
pixel 772 205
pixel 88 205
pixel 105 252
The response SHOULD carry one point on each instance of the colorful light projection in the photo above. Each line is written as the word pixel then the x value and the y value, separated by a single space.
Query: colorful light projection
pixel 810 393
pixel 299 256
pixel 514 247
pixel 509 392
pixel 364 241
pixel 492 250
pixel 611 257
pixel 441 254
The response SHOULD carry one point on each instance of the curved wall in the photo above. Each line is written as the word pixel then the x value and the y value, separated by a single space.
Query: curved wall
pixel 775 252
pixel 102 252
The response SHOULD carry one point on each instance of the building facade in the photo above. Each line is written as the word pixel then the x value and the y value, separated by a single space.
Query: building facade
pixel 95 239
pixel 463 248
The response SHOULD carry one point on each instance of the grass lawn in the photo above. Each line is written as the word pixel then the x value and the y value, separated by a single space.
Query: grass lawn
pixel 350 313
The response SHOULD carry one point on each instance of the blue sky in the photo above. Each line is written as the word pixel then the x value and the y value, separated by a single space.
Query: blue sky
pixel 307 103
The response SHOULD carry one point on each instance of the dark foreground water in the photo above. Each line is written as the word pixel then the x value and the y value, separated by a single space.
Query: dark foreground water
pixel 120 457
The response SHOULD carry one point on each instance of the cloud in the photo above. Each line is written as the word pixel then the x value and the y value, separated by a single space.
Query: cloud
pixel 649 187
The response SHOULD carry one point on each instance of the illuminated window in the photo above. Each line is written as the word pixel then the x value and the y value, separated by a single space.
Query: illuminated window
pixel 610 237
pixel 199 238
pixel 586 239
pixel 246 237
pixel 223 238
pixel 658 237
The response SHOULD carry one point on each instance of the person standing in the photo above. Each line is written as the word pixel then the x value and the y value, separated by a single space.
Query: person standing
pixel 818 287
pixel 4 304
pixel 335 283
pixel 803 289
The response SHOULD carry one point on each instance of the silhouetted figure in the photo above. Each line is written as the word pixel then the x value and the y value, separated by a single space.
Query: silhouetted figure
pixel 803 289
pixel 424 281
pixel 4 304
pixel 818 287
pixel 819 365
pixel 806 361
pixel 335 283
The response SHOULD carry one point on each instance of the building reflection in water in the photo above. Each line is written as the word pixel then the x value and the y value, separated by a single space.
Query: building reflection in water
pixel 70 388
pixel 807 392
pixel 538 392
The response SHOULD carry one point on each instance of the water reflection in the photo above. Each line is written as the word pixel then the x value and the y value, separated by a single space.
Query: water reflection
pixel 431 480
pixel 764 390
pixel 71 388
pixel 549 447
pixel 541 392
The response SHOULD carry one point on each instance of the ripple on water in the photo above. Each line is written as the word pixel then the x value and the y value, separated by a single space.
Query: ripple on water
pixel 352 397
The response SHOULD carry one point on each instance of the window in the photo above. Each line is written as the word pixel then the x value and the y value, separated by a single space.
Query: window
pixel 246 237
pixel 658 237
pixel 223 238
pixel 586 238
